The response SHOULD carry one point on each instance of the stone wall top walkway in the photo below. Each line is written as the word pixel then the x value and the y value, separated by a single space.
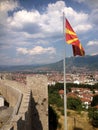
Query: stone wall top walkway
pixel 30 103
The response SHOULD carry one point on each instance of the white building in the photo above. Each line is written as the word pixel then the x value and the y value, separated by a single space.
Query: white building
pixel 76 82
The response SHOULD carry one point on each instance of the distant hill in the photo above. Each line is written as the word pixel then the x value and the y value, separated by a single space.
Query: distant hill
pixel 89 63
pixel 72 64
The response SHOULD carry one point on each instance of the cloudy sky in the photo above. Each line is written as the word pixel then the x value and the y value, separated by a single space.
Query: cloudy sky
pixel 31 31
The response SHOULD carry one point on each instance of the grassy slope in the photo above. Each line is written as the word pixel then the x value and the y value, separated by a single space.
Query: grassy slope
pixel 76 121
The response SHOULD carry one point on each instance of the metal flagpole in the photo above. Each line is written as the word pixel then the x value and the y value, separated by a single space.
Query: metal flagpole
pixel 65 98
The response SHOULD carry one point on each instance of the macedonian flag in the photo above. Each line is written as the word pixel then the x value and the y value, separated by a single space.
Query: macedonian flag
pixel 71 38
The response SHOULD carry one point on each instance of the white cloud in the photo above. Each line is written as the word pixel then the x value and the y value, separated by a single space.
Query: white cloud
pixel 5 6
pixel 24 28
pixel 8 5
pixel 50 22
pixel 36 50
pixel 59 5
pixel 22 50
pixel 90 3
pixel 42 42
pixel 8 60
pixel 96 53
pixel 79 1
pixel 92 47
pixel 23 17
pixel 78 20
pixel 94 17
pixel 83 27
pixel 91 43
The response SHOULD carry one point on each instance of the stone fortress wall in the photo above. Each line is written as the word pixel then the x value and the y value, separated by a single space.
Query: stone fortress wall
pixel 30 103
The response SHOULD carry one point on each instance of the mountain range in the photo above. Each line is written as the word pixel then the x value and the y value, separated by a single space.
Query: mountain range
pixel 86 63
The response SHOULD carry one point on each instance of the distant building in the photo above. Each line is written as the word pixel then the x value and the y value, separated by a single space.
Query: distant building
pixel 76 82
pixel 84 94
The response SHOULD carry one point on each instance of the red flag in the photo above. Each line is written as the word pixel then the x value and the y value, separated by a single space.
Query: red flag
pixel 71 38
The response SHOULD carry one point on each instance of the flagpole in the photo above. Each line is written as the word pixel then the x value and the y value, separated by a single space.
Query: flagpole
pixel 65 97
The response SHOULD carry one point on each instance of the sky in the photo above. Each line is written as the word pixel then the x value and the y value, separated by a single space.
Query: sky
pixel 31 31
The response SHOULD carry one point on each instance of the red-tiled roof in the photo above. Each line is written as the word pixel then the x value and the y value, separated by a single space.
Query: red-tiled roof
pixel 61 91
pixel 72 95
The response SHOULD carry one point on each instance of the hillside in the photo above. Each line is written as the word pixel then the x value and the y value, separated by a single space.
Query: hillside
pixel 72 64
pixel 75 121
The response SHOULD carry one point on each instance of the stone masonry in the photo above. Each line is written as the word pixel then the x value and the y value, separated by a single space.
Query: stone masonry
pixel 29 102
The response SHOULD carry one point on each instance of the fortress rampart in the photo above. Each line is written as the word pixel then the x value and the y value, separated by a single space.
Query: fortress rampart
pixel 29 102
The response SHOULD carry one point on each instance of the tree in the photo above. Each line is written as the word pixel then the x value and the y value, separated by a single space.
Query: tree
pixel 94 101
pixel 93 116
pixel 93 111
pixel 74 103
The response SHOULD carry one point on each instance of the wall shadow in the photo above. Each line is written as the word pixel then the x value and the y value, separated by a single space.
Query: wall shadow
pixel 32 120
pixel 35 117
pixel 53 121
pixel 77 128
